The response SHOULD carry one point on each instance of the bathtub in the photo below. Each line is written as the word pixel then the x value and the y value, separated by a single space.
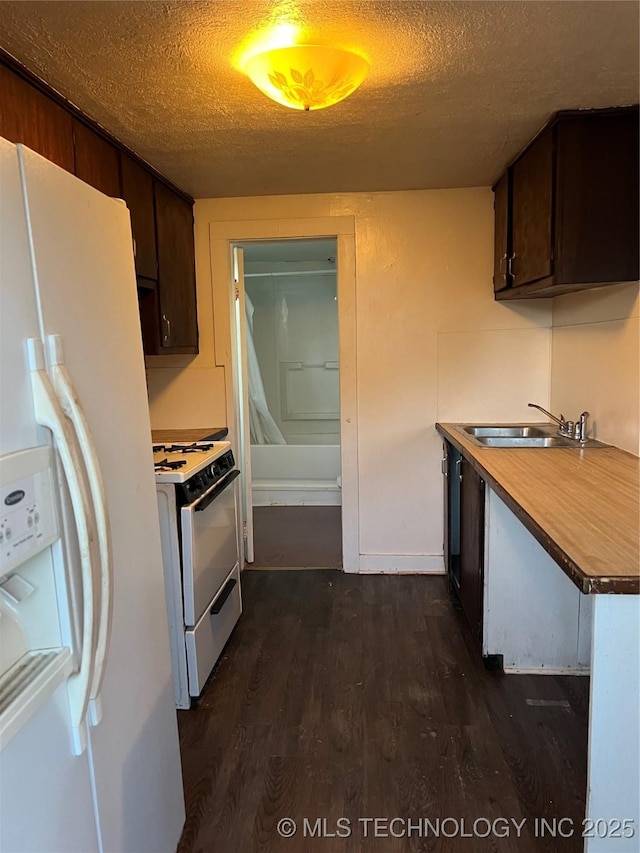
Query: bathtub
pixel 295 474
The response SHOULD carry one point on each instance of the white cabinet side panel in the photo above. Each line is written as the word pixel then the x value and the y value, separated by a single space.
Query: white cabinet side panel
pixel 531 607
pixel 613 790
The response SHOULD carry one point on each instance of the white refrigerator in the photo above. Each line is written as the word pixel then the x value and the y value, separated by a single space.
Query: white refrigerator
pixel 89 755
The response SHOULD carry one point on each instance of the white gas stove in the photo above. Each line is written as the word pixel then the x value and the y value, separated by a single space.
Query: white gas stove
pixel 196 485
pixel 177 461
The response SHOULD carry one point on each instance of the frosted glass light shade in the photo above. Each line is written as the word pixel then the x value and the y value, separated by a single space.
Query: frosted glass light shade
pixel 307 77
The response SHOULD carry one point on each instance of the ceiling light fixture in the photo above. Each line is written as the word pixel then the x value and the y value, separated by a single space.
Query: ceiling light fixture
pixel 307 76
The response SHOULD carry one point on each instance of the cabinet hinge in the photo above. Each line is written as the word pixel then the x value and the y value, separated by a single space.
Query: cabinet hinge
pixel 245 535
pixel 237 292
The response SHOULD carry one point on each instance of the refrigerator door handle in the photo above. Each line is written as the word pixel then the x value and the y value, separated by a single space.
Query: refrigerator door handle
pixel 72 407
pixel 49 414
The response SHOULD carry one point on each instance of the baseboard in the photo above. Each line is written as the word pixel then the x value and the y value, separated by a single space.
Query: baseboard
pixel 402 564
pixel 547 670
pixel 296 497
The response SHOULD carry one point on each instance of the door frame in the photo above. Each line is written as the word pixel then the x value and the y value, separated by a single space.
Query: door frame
pixel 223 236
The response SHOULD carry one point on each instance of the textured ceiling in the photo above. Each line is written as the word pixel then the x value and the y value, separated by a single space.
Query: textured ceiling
pixel 455 89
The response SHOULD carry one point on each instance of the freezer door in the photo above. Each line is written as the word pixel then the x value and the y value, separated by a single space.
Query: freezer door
pixel 18 314
pixel 46 799
pixel 85 277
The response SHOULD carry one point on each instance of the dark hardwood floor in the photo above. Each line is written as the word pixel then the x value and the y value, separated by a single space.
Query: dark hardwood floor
pixel 297 537
pixel 360 696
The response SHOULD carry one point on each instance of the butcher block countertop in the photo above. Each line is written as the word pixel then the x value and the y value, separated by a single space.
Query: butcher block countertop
pixel 164 436
pixel 582 505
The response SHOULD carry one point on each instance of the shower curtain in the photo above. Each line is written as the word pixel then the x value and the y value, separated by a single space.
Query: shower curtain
pixel 263 428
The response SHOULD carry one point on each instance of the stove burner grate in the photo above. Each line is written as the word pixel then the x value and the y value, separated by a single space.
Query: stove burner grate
pixel 165 465
pixel 182 448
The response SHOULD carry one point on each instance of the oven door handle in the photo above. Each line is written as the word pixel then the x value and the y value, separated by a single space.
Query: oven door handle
pixel 217 490
pixel 218 604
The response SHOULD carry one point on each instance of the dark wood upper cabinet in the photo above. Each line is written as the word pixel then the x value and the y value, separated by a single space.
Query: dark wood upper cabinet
pixel 532 213
pixel 97 162
pixel 149 320
pixel 161 215
pixel 597 179
pixel 30 117
pixel 502 236
pixel 572 217
pixel 137 191
pixel 176 273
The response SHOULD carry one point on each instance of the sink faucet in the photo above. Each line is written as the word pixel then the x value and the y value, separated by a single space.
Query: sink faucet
pixel 577 430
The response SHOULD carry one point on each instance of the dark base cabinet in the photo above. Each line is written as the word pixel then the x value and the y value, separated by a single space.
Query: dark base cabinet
pixel 464 492
pixel 471 590
pixel 451 470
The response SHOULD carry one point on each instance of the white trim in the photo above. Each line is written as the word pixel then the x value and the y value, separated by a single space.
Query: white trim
pixel 222 235
pixel 402 564
pixel 546 670
pixel 264 496
pixel 238 316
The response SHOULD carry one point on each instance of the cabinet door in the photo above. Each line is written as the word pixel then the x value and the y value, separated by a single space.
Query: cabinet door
pixel 97 161
pixel 446 543
pixel 532 212
pixel 30 117
pixel 597 198
pixel 149 320
pixel 502 235
pixel 451 470
pixel 137 191
pixel 472 547
pixel 176 272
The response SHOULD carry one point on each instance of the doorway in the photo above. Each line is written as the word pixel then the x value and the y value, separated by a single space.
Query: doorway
pixel 223 236
pixel 289 369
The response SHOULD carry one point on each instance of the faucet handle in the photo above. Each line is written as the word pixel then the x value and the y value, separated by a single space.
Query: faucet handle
pixel 581 427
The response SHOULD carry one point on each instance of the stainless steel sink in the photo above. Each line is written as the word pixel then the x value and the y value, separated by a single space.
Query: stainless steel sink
pixel 530 441
pixel 506 431
pixel 520 435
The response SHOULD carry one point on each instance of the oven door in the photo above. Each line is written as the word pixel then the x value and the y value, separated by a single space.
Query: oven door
pixel 209 545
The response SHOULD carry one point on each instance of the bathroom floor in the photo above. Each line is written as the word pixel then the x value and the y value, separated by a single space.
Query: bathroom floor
pixel 297 537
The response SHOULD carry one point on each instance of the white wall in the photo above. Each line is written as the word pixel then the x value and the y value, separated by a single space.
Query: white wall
pixel 432 344
pixel 596 361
